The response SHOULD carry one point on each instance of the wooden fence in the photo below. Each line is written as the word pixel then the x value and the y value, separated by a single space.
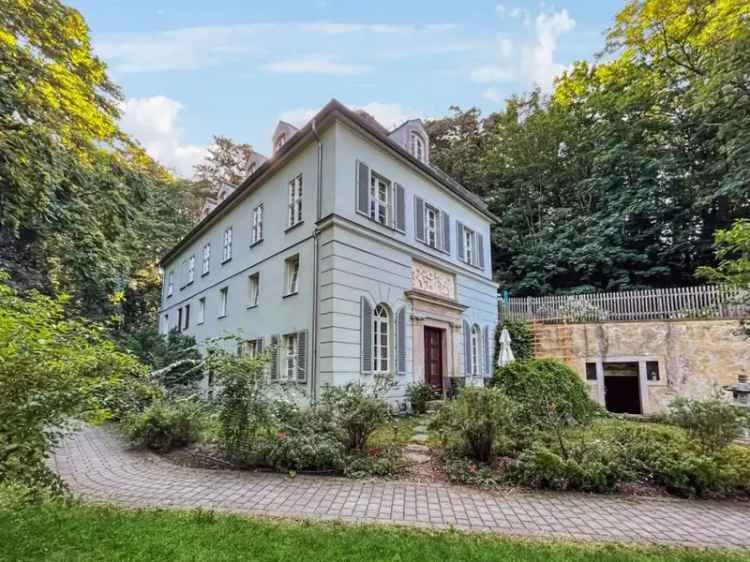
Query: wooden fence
pixel 707 301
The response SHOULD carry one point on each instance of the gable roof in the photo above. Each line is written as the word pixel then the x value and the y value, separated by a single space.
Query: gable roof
pixel 334 108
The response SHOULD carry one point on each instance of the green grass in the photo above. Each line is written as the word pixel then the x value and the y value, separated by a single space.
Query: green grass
pixel 55 532
pixel 398 432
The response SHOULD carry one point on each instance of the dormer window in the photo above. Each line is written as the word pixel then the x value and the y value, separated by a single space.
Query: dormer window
pixel 280 141
pixel 417 146
pixel 251 169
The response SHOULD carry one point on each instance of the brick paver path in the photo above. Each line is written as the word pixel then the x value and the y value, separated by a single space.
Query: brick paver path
pixel 98 468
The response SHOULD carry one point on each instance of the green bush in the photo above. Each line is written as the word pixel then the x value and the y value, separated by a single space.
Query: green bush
pixel 419 394
pixel 477 417
pixel 244 404
pixel 305 449
pixel 543 388
pixel 713 423
pixel 356 410
pixel 50 366
pixel 610 453
pixel 164 426
pixel 379 461
pixel 521 339
pixel 467 471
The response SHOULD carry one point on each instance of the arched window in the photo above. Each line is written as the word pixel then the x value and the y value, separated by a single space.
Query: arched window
pixel 380 339
pixel 417 146
pixel 476 351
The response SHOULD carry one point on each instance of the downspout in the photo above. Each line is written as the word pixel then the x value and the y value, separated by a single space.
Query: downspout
pixel 316 265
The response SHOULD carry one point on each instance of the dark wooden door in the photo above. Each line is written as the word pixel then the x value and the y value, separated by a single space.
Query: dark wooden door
pixel 433 357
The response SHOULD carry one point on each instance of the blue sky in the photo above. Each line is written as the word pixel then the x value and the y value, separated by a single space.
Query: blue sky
pixel 191 69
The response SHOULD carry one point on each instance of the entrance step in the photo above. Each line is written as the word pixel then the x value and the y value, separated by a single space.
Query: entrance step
pixel 417 454
pixel 434 405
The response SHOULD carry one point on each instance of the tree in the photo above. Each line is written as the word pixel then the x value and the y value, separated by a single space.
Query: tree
pixel 227 163
pixel 52 369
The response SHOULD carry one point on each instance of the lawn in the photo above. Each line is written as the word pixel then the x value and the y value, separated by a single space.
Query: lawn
pixel 75 533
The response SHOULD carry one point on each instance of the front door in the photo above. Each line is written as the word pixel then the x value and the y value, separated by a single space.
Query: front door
pixel 433 357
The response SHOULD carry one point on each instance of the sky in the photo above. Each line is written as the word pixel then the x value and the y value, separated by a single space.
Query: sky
pixel 191 69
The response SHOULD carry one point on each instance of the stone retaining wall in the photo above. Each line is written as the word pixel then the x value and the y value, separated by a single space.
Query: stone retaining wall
pixel 695 357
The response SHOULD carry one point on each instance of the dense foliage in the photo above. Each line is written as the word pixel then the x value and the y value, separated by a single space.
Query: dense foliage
pixel 163 426
pixel 419 394
pixel 52 370
pixel 712 423
pixel 622 176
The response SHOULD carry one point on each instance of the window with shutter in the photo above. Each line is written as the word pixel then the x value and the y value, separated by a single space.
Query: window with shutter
pixel 480 250
pixel 363 188
pixel 419 218
pixel 302 356
pixel 274 357
pixel 487 356
pixel 401 340
pixel 460 239
pixel 400 208
pixel 366 335
pixel 445 220
pixel 467 348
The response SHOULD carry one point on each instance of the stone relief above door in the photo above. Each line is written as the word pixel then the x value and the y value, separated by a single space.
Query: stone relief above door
pixel 433 280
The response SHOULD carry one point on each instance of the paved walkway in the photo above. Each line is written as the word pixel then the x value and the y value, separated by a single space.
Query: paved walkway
pixel 98 468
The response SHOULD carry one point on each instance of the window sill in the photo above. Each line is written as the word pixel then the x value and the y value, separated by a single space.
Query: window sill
pixel 289 294
pixel 222 316
pixel 295 225
pixel 204 273
pixel 226 261
pixel 189 283
pixel 256 243
pixel 252 306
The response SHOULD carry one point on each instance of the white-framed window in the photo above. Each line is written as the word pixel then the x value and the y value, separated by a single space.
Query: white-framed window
pixel 295 201
pixel 280 141
pixel 417 146
pixel 186 317
pixel 206 258
pixel 191 269
pixel 257 232
pixel 165 325
pixel 251 348
pixel 292 274
pixel 380 339
pixel 476 350
pixel 291 356
pixel 431 225
pixel 223 298
pixel 253 289
pixel 380 199
pixel 468 245
pixel 227 255
pixel 170 283
pixel 201 310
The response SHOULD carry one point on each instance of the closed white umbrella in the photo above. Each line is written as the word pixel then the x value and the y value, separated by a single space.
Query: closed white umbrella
pixel 506 353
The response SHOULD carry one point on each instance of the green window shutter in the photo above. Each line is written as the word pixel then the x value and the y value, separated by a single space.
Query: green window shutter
pixel 302 356
pixel 480 250
pixel 445 219
pixel 401 340
pixel 460 240
pixel 274 358
pixel 363 188
pixel 400 208
pixel 487 356
pixel 366 335
pixel 467 348
pixel 419 218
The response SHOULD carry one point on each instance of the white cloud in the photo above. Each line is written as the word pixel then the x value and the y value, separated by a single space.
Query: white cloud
pixel 390 115
pixel 155 123
pixel 530 62
pixel 492 95
pixel 539 60
pixel 316 64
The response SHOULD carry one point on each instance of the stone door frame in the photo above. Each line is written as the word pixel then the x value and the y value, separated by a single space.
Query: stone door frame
pixel 441 313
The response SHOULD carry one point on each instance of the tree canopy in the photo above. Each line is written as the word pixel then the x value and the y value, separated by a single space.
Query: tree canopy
pixel 620 178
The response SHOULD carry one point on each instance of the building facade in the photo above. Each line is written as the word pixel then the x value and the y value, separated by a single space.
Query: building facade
pixel 348 256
